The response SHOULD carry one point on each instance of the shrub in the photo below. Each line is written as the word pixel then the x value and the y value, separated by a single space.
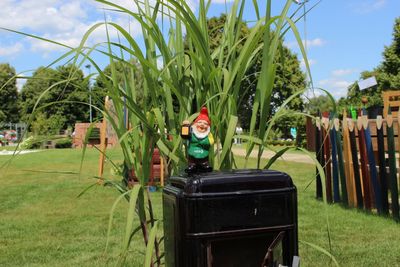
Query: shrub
pixel 64 143
pixel 288 143
pixel 31 143
pixel 3 117
pixel 303 143
pixel 47 126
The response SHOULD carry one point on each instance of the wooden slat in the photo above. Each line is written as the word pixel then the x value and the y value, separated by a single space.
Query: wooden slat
pixel 103 142
pixel 382 166
pixel 364 167
pixel 393 171
pixel 392 99
pixel 348 163
pixel 356 165
pixel 372 126
pixel 328 174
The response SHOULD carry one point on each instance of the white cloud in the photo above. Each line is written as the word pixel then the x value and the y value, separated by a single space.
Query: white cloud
pixel 65 21
pixel 311 93
pixel 335 83
pixel 10 50
pixel 338 82
pixel 53 19
pixel 60 20
pixel 20 84
pixel 221 1
pixel 73 38
pixel 128 4
pixel 369 6
pixel 131 5
pixel 343 72
pixel 291 44
pixel 310 62
pixel 316 42
pixel 193 4
pixel 41 16
pixel 337 87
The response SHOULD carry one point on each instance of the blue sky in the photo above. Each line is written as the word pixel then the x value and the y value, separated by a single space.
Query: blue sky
pixel 343 37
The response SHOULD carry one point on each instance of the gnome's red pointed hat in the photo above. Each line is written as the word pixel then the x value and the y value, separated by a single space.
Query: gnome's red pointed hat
pixel 203 116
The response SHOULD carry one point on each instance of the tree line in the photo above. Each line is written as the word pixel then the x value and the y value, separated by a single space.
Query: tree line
pixel 67 89
pixel 52 94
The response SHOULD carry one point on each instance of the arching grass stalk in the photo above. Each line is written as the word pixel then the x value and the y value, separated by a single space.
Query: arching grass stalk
pixel 191 76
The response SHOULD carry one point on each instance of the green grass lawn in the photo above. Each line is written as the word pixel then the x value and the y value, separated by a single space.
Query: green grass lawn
pixel 7 148
pixel 271 147
pixel 43 223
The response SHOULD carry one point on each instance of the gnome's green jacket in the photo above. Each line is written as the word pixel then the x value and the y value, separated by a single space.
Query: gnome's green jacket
pixel 199 148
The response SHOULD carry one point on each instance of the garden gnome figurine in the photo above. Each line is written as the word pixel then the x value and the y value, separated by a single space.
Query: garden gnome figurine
pixel 200 141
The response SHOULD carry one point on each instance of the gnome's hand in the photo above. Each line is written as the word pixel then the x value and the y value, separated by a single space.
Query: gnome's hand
pixel 185 122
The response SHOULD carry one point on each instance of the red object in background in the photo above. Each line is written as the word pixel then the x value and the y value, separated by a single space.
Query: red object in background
pixel 155 170
pixel 10 136
pixel 79 136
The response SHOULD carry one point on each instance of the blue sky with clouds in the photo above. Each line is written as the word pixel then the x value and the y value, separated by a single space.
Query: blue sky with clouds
pixel 344 37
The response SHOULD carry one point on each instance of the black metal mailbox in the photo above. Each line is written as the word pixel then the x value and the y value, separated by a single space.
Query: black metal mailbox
pixel 229 219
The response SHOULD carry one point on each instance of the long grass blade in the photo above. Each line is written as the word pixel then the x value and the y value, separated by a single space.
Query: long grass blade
pixel 228 140
pixel 150 245
pixel 133 196
pixel 277 156
pixel 110 220
pixel 322 250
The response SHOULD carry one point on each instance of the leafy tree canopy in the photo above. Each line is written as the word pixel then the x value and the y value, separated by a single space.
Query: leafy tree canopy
pixel 8 94
pixel 124 70
pixel 289 77
pixel 66 95
pixel 2 117
pixel 41 79
pixel 387 74
pixel 319 103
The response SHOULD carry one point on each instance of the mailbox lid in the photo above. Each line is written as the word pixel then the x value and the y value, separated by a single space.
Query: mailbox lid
pixel 232 181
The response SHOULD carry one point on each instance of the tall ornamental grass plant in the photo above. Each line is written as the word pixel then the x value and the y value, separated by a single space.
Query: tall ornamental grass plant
pixel 191 76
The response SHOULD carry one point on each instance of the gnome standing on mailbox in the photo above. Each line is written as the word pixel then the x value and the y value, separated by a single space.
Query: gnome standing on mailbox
pixel 200 141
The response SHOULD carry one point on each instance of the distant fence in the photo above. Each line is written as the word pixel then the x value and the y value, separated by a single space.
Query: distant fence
pixel 359 160
pixel 19 128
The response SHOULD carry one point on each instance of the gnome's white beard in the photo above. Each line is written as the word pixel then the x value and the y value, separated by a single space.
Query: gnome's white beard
pixel 198 134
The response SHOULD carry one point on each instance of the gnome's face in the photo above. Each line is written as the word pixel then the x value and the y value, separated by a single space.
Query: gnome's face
pixel 201 128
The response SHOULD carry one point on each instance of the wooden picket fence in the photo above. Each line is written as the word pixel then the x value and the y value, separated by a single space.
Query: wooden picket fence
pixel 359 160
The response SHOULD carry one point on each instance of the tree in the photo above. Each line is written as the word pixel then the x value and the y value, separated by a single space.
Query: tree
pixel 123 70
pixel 41 79
pixel 75 93
pixel 8 94
pixel 2 117
pixel 289 77
pixel 319 103
pixel 289 80
pixel 68 90
pixel 47 126
pixel 391 60
pixel 387 74
pixel 216 32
